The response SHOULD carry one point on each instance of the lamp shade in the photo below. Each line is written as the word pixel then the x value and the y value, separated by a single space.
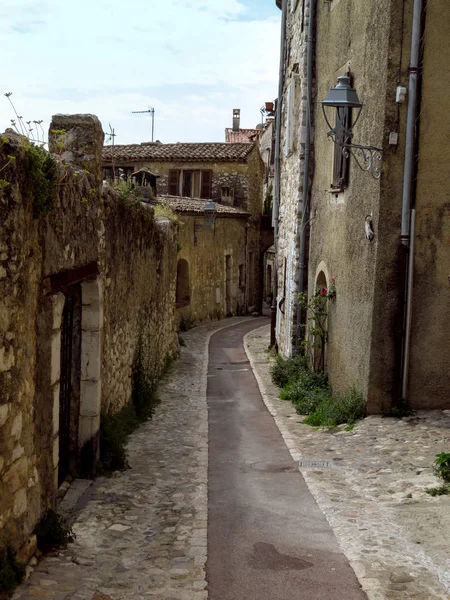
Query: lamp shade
pixel 342 95
pixel 209 207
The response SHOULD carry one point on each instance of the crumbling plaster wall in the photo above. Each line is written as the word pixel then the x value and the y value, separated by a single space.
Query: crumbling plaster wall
pixel 205 251
pixel 360 349
pixel 133 294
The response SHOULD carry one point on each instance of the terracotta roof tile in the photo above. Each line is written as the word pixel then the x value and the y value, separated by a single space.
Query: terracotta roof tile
pixel 221 152
pixel 243 135
pixel 196 205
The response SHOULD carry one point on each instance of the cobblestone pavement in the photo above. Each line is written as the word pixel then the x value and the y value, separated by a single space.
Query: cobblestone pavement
pixel 142 533
pixel 370 483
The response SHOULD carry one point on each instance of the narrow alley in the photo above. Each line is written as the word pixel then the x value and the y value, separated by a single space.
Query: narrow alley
pixel 143 533
pixel 249 527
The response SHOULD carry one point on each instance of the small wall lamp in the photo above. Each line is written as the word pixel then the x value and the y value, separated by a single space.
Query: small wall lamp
pixel 210 213
pixel 344 99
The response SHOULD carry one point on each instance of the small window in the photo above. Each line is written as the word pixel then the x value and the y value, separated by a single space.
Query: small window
pixel 341 157
pixel 227 193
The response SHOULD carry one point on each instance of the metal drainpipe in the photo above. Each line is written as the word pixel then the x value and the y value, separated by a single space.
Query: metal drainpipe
pixel 276 191
pixel 407 230
pixel 304 206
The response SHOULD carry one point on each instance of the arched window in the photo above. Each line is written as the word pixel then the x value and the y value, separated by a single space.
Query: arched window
pixel 183 297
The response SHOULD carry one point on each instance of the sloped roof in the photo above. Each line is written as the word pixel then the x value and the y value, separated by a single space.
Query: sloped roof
pixel 197 205
pixel 242 135
pixel 188 152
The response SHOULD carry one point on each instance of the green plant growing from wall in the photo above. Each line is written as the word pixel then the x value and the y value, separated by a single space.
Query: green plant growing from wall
pixel 314 345
pixel 165 211
pixel 52 532
pixel 42 179
pixel 9 161
pixel 11 571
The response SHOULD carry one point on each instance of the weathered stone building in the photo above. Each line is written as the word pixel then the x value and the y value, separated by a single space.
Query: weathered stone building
pixel 213 278
pixel 83 287
pixel 229 174
pixel 384 240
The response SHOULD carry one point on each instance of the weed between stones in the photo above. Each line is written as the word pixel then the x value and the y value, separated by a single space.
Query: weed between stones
pixel 115 428
pixel 11 572
pixel 311 394
pixel 52 532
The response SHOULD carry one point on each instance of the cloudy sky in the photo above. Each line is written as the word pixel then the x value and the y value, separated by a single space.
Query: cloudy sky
pixel 193 60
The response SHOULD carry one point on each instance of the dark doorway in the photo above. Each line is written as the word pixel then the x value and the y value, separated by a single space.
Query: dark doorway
pixel 70 376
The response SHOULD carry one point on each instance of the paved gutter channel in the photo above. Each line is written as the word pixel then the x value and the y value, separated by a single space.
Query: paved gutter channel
pixel 267 538
pixel 371 483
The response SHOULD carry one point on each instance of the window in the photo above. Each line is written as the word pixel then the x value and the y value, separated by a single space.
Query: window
pixel 341 158
pixel 227 194
pixel 191 184
pixel 183 294
pixel 118 173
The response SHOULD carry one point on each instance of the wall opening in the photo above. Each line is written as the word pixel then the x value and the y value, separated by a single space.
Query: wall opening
pixel 183 294
pixel 321 326
pixel 69 385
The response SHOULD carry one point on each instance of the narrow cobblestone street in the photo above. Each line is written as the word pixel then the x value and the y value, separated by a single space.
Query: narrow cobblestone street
pixel 371 485
pixel 143 533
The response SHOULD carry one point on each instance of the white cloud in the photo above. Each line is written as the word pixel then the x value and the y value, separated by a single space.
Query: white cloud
pixel 194 60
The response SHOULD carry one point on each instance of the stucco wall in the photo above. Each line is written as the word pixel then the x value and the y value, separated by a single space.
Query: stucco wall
pixel 338 244
pixel 130 292
pixel 430 369
pixel 205 251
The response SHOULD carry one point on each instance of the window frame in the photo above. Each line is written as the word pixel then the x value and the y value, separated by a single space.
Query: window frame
pixel 341 160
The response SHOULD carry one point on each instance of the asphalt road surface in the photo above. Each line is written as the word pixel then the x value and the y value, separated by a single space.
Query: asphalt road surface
pixel 267 538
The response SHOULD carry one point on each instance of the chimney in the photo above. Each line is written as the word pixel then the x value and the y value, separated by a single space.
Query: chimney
pixel 236 119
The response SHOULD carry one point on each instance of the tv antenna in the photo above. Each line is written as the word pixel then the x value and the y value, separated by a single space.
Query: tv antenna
pixel 112 135
pixel 150 111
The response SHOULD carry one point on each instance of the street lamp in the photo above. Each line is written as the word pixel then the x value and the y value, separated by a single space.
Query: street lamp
pixel 210 213
pixel 343 98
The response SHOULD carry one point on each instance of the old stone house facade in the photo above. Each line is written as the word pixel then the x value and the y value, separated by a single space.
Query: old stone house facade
pixel 382 235
pixel 213 262
pixel 229 174
pixel 82 288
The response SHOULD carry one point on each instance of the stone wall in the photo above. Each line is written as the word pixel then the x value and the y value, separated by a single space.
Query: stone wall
pixel 118 263
pixel 291 169
pixel 205 251
pixel 233 175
